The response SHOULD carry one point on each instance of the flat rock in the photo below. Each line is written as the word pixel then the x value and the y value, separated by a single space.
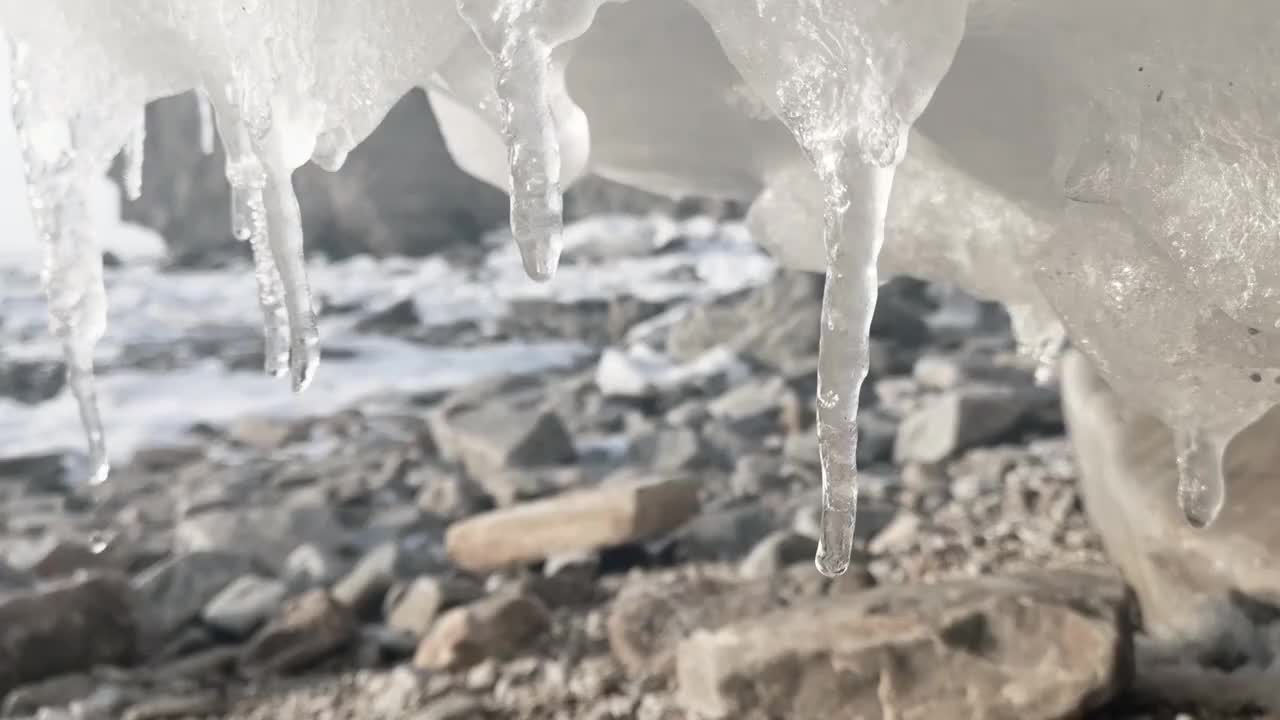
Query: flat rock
pixel 65 627
pixel 496 627
pixel 651 616
pixel 1039 646
pixel 613 514
pixel 961 419
pixel 244 604
pixel 309 628
pixel 175 591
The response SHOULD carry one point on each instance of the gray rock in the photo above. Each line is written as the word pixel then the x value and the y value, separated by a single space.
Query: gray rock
pixel 309 628
pixel 416 608
pixel 650 617
pixel 397 317
pixel 455 706
pixel 520 432
pixel 497 627
pixel 723 534
pixel 753 407
pixel 54 557
pixel 309 565
pixel 777 551
pixel 175 591
pixel 268 532
pixel 613 514
pixel 363 588
pixel 244 604
pixel 671 449
pixel 958 420
pixel 58 691
pixel 32 382
pixel 1037 647
pixel 66 627
pixel 445 494
pixel 399 193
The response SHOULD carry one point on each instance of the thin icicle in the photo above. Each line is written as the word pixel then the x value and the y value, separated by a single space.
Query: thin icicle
pixel 205 110
pixel 56 184
pixel 284 237
pixel 854 233
pixel 134 152
pixel 1201 485
pixel 511 35
pixel 249 222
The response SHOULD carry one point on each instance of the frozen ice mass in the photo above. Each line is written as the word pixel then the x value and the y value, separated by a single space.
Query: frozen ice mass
pixel 1108 171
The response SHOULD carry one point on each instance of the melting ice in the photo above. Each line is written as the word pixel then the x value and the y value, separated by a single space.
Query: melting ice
pixel 1141 229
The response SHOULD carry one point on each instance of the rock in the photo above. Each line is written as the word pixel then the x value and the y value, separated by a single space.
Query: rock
pixel 309 628
pixel 446 495
pixel 897 536
pixel 261 433
pixel 455 706
pixel 58 691
pixel 722 534
pixel 497 627
pixel 65 627
pixel 1040 646
pixel 364 587
pixel 399 192
pixel 958 420
pixel 1187 581
pixel 510 487
pixel 32 382
pixel 774 553
pixel 398 316
pixel 244 605
pixel 55 557
pixel 417 606
pixel 175 591
pixel 753 407
pixel 518 433
pixel 877 434
pixel 268 533
pixel 160 707
pixel 671 449
pixel 309 565
pixel 650 617
pixel 613 514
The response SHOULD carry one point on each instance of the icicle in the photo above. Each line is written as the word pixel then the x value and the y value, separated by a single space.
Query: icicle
pixel 1201 485
pixel 249 222
pixel 510 34
pixel 284 237
pixel 205 110
pixel 56 183
pixel 133 152
pixel 853 235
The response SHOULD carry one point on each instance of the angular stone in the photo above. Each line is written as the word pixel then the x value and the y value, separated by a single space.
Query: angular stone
pixel 612 514
pixel 651 616
pixel 500 434
pixel 1038 646
pixel 268 533
pixel 399 192
pixel 955 421
pixel 496 627
pixel 244 604
pixel 774 553
pixel 417 606
pixel 58 691
pixel 309 628
pixel 65 627
pixel 57 557
pixel 175 591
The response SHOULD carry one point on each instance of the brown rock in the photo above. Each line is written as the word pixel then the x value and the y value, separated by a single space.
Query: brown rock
pixel 498 627
pixel 1043 645
pixel 649 618
pixel 66 627
pixel 309 628
pixel 613 514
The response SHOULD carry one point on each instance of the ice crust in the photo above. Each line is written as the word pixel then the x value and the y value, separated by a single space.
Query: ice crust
pixel 1107 170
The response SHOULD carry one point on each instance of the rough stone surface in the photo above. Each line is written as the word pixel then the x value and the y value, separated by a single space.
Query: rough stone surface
pixel 66 627
pixel 1036 647
pixel 609 515
pixel 244 604
pixel 495 627
pixel 176 591
pixel 959 420
pixel 309 627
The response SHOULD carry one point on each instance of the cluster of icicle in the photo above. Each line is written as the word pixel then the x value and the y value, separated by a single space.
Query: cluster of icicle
pixel 1105 169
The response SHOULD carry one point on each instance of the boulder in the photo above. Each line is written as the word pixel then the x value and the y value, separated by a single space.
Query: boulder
pixel 1040 646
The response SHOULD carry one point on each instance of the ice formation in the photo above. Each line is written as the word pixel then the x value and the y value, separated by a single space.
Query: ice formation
pixel 1107 170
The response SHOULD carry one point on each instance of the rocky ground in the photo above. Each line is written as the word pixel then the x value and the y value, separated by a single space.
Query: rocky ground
pixel 628 535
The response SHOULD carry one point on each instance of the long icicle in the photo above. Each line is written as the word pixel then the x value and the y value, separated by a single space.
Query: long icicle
pixel 249 223
pixel 284 237
pixel 511 35
pixel 854 234
pixel 72 273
